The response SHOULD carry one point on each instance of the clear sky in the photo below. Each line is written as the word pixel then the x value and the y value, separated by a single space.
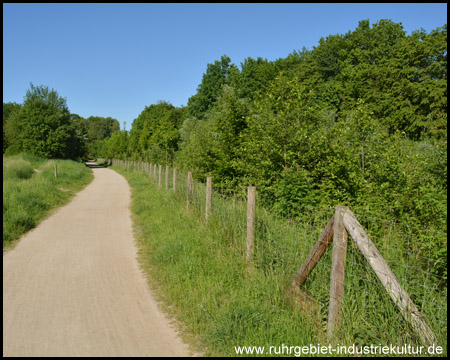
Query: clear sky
pixel 115 59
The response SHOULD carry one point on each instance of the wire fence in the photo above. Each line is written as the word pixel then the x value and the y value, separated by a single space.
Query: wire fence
pixel 282 243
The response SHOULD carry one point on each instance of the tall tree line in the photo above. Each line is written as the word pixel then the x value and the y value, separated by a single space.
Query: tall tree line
pixel 43 125
pixel 360 119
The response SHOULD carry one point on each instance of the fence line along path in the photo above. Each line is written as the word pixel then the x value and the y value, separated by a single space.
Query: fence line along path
pixel 73 287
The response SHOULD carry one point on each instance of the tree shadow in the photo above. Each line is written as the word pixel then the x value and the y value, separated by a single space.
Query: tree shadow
pixel 95 166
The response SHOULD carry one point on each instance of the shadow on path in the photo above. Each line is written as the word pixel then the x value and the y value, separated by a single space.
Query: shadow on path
pixel 95 166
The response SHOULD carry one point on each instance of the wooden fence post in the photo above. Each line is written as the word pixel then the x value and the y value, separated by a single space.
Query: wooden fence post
pixel 251 208
pixel 388 279
pixel 160 175
pixel 337 271
pixel 174 180
pixel 315 254
pixel 208 197
pixel 154 172
pixel 167 177
pixel 56 169
pixel 189 190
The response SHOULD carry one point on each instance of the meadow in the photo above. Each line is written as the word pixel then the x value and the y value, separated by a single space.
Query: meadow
pixel 31 191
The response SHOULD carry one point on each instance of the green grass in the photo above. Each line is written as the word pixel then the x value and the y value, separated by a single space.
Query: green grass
pixel 31 191
pixel 200 273
pixel 207 286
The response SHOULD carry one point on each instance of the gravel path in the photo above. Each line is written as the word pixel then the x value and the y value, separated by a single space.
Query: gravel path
pixel 72 286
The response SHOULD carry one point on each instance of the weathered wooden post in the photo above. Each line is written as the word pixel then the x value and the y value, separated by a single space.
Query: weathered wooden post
pixel 174 180
pixel 154 172
pixel 160 175
pixel 208 197
pixel 390 282
pixel 251 209
pixel 189 190
pixel 315 254
pixel 56 169
pixel 337 270
pixel 167 177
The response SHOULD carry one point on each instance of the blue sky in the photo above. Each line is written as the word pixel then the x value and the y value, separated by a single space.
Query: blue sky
pixel 115 59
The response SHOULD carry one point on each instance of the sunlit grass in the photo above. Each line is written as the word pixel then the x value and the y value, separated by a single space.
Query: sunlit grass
pixel 208 287
pixel 200 271
pixel 31 191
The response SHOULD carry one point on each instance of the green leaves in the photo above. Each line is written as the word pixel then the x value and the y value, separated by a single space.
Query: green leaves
pixel 217 74
pixel 43 94
pixel 43 126
pixel 155 133
pixel 359 120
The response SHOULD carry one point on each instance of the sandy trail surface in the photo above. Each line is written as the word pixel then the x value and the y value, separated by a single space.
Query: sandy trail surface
pixel 73 287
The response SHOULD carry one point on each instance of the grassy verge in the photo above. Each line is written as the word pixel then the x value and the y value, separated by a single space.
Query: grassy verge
pixel 205 285
pixel 200 273
pixel 31 191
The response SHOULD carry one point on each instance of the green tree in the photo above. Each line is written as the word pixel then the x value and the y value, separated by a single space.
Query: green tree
pixel 217 74
pixel 155 134
pixel 279 127
pixel 9 109
pixel 254 77
pixel 197 147
pixel 99 128
pixel 43 126
pixel 115 146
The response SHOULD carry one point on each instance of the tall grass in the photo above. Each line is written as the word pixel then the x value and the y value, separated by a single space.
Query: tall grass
pixel 31 191
pixel 201 272
pixel 206 285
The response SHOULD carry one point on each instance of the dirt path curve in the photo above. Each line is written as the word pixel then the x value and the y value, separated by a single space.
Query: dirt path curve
pixel 73 287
